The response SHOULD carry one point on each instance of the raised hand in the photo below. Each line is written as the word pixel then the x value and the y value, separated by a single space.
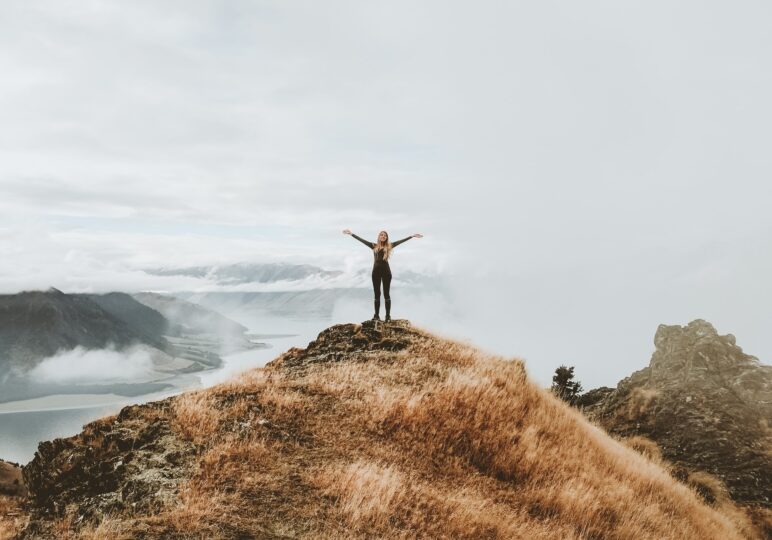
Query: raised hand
pixel 346 231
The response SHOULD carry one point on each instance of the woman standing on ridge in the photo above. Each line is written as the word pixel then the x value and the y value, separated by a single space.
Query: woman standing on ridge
pixel 381 271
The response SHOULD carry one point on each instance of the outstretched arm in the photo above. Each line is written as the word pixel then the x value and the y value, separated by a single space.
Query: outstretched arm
pixel 398 242
pixel 365 242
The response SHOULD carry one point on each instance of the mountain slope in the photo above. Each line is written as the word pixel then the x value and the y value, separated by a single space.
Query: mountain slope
pixel 37 324
pixel 193 317
pixel 144 321
pixel 369 432
pixel 188 319
pixel 706 403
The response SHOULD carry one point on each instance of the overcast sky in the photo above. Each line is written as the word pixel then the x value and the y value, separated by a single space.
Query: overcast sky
pixel 582 172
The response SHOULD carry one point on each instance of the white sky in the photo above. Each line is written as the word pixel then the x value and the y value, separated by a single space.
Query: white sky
pixel 581 171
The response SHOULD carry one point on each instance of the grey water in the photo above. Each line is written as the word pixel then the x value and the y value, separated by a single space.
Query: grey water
pixel 21 432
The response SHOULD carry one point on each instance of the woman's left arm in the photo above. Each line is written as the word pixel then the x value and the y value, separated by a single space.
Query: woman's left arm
pixel 398 242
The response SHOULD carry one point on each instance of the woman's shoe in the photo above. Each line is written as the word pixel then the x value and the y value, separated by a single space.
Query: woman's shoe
pixel 388 317
pixel 376 317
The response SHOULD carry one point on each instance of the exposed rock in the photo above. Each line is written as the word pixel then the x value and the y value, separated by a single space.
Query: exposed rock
pixel 338 342
pixel 592 397
pixel 707 404
pixel 132 462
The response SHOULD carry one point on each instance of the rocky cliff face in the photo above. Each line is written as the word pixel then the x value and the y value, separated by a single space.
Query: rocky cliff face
pixel 706 403
pixel 126 464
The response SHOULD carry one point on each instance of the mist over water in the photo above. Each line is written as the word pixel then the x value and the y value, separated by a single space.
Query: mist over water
pixel 94 366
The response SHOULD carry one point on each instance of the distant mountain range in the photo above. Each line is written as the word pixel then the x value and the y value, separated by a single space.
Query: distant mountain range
pixel 293 276
pixel 312 304
pixel 236 274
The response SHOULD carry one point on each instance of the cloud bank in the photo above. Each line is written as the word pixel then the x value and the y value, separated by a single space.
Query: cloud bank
pixel 83 366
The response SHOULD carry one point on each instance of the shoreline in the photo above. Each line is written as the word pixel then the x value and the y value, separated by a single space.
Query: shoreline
pixel 71 402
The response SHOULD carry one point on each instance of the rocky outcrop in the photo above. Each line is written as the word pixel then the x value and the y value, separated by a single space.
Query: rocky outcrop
pixel 129 463
pixel 706 403
pixel 593 397
pixel 340 341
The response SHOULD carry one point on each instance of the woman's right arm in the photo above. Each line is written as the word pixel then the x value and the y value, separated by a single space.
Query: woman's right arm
pixel 365 242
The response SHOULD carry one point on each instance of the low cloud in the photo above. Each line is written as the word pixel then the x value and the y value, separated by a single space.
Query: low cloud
pixel 84 366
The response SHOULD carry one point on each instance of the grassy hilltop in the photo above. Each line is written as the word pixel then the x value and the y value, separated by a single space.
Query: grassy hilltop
pixel 371 431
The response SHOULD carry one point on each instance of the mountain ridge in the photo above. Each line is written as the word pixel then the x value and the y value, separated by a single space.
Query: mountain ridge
pixel 372 430
pixel 705 402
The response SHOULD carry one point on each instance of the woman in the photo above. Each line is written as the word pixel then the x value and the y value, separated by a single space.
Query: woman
pixel 381 271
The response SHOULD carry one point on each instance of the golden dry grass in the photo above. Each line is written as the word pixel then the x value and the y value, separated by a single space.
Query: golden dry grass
pixel 110 528
pixel 436 441
pixel 12 518
pixel 640 402
pixel 196 416
pixel 645 447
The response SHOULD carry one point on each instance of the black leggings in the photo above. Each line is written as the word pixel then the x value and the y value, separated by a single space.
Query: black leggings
pixel 382 272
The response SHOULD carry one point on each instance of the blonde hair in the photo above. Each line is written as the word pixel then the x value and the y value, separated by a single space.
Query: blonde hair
pixel 386 247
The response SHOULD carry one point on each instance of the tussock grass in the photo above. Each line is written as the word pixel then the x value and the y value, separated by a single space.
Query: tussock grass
pixel 715 493
pixel 196 416
pixel 367 492
pixel 646 447
pixel 12 518
pixel 199 512
pixel 110 528
pixel 641 400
